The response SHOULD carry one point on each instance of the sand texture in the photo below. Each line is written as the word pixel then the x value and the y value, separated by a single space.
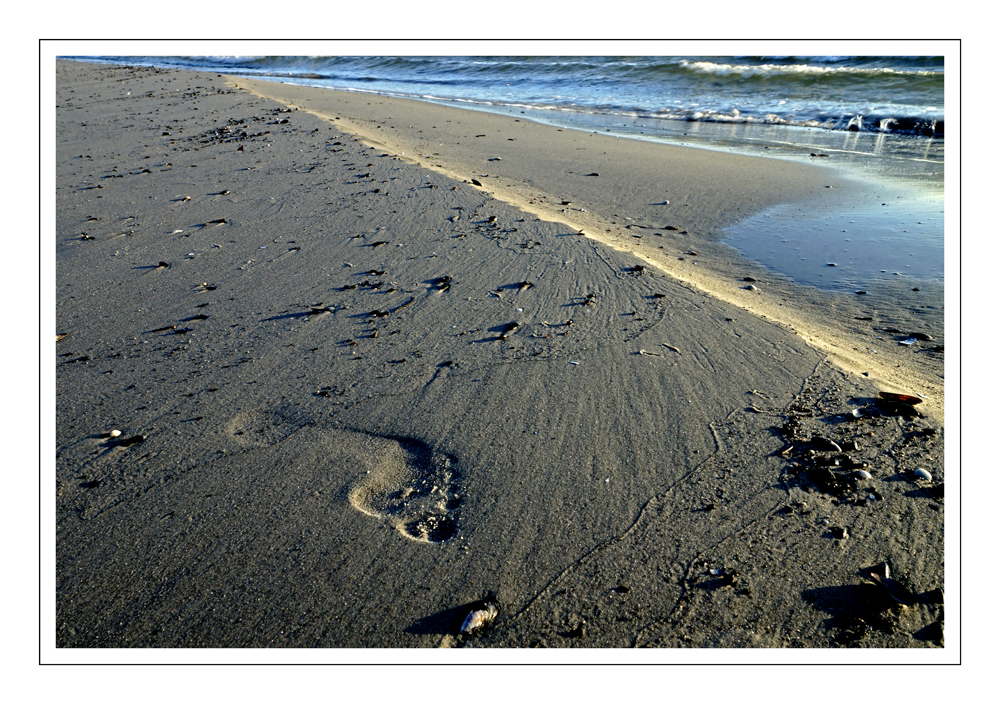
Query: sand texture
pixel 359 394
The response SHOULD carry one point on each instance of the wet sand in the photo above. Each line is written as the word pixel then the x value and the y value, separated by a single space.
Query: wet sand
pixel 368 372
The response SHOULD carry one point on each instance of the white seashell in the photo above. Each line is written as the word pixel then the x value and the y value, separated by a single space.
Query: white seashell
pixel 751 287
pixel 115 433
pixel 923 474
pixel 862 474
pixel 480 617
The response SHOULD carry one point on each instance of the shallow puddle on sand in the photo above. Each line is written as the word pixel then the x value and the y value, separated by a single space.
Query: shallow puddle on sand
pixel 846 248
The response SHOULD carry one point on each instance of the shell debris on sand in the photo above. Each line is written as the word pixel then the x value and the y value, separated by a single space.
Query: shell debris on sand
pixel 480 617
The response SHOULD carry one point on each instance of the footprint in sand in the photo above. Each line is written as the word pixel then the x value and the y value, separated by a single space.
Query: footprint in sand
pixel 414 489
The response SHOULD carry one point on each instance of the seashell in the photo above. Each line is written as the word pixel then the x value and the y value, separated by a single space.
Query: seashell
pixel 825 444
pixel 862 474
pixel 114 433
pixel 751 287
pixel 480 617
pixel 899 398
pixel 880 575
pixel 923 474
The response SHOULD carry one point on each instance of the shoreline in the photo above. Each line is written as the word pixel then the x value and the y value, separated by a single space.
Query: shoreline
pixel 357 394
pixel 633 220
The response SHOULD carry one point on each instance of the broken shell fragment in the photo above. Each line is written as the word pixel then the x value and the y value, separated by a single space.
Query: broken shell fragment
pixel 480 617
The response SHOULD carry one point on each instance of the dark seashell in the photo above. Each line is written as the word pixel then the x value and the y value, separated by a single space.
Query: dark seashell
pixel 508 329
pixel 826 444
pixel 899 398
pixel 880 575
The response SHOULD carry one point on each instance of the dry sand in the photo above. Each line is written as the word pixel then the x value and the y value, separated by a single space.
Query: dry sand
pixel 358 393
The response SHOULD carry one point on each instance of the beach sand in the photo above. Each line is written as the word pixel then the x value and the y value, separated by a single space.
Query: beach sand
pixel 368 372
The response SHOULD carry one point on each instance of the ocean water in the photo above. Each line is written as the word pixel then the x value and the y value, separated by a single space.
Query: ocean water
pixel 879 119
pixel 896 95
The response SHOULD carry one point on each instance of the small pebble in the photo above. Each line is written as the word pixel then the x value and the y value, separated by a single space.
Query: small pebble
pixel 114 433
pixel 862 474
pixel 923 474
